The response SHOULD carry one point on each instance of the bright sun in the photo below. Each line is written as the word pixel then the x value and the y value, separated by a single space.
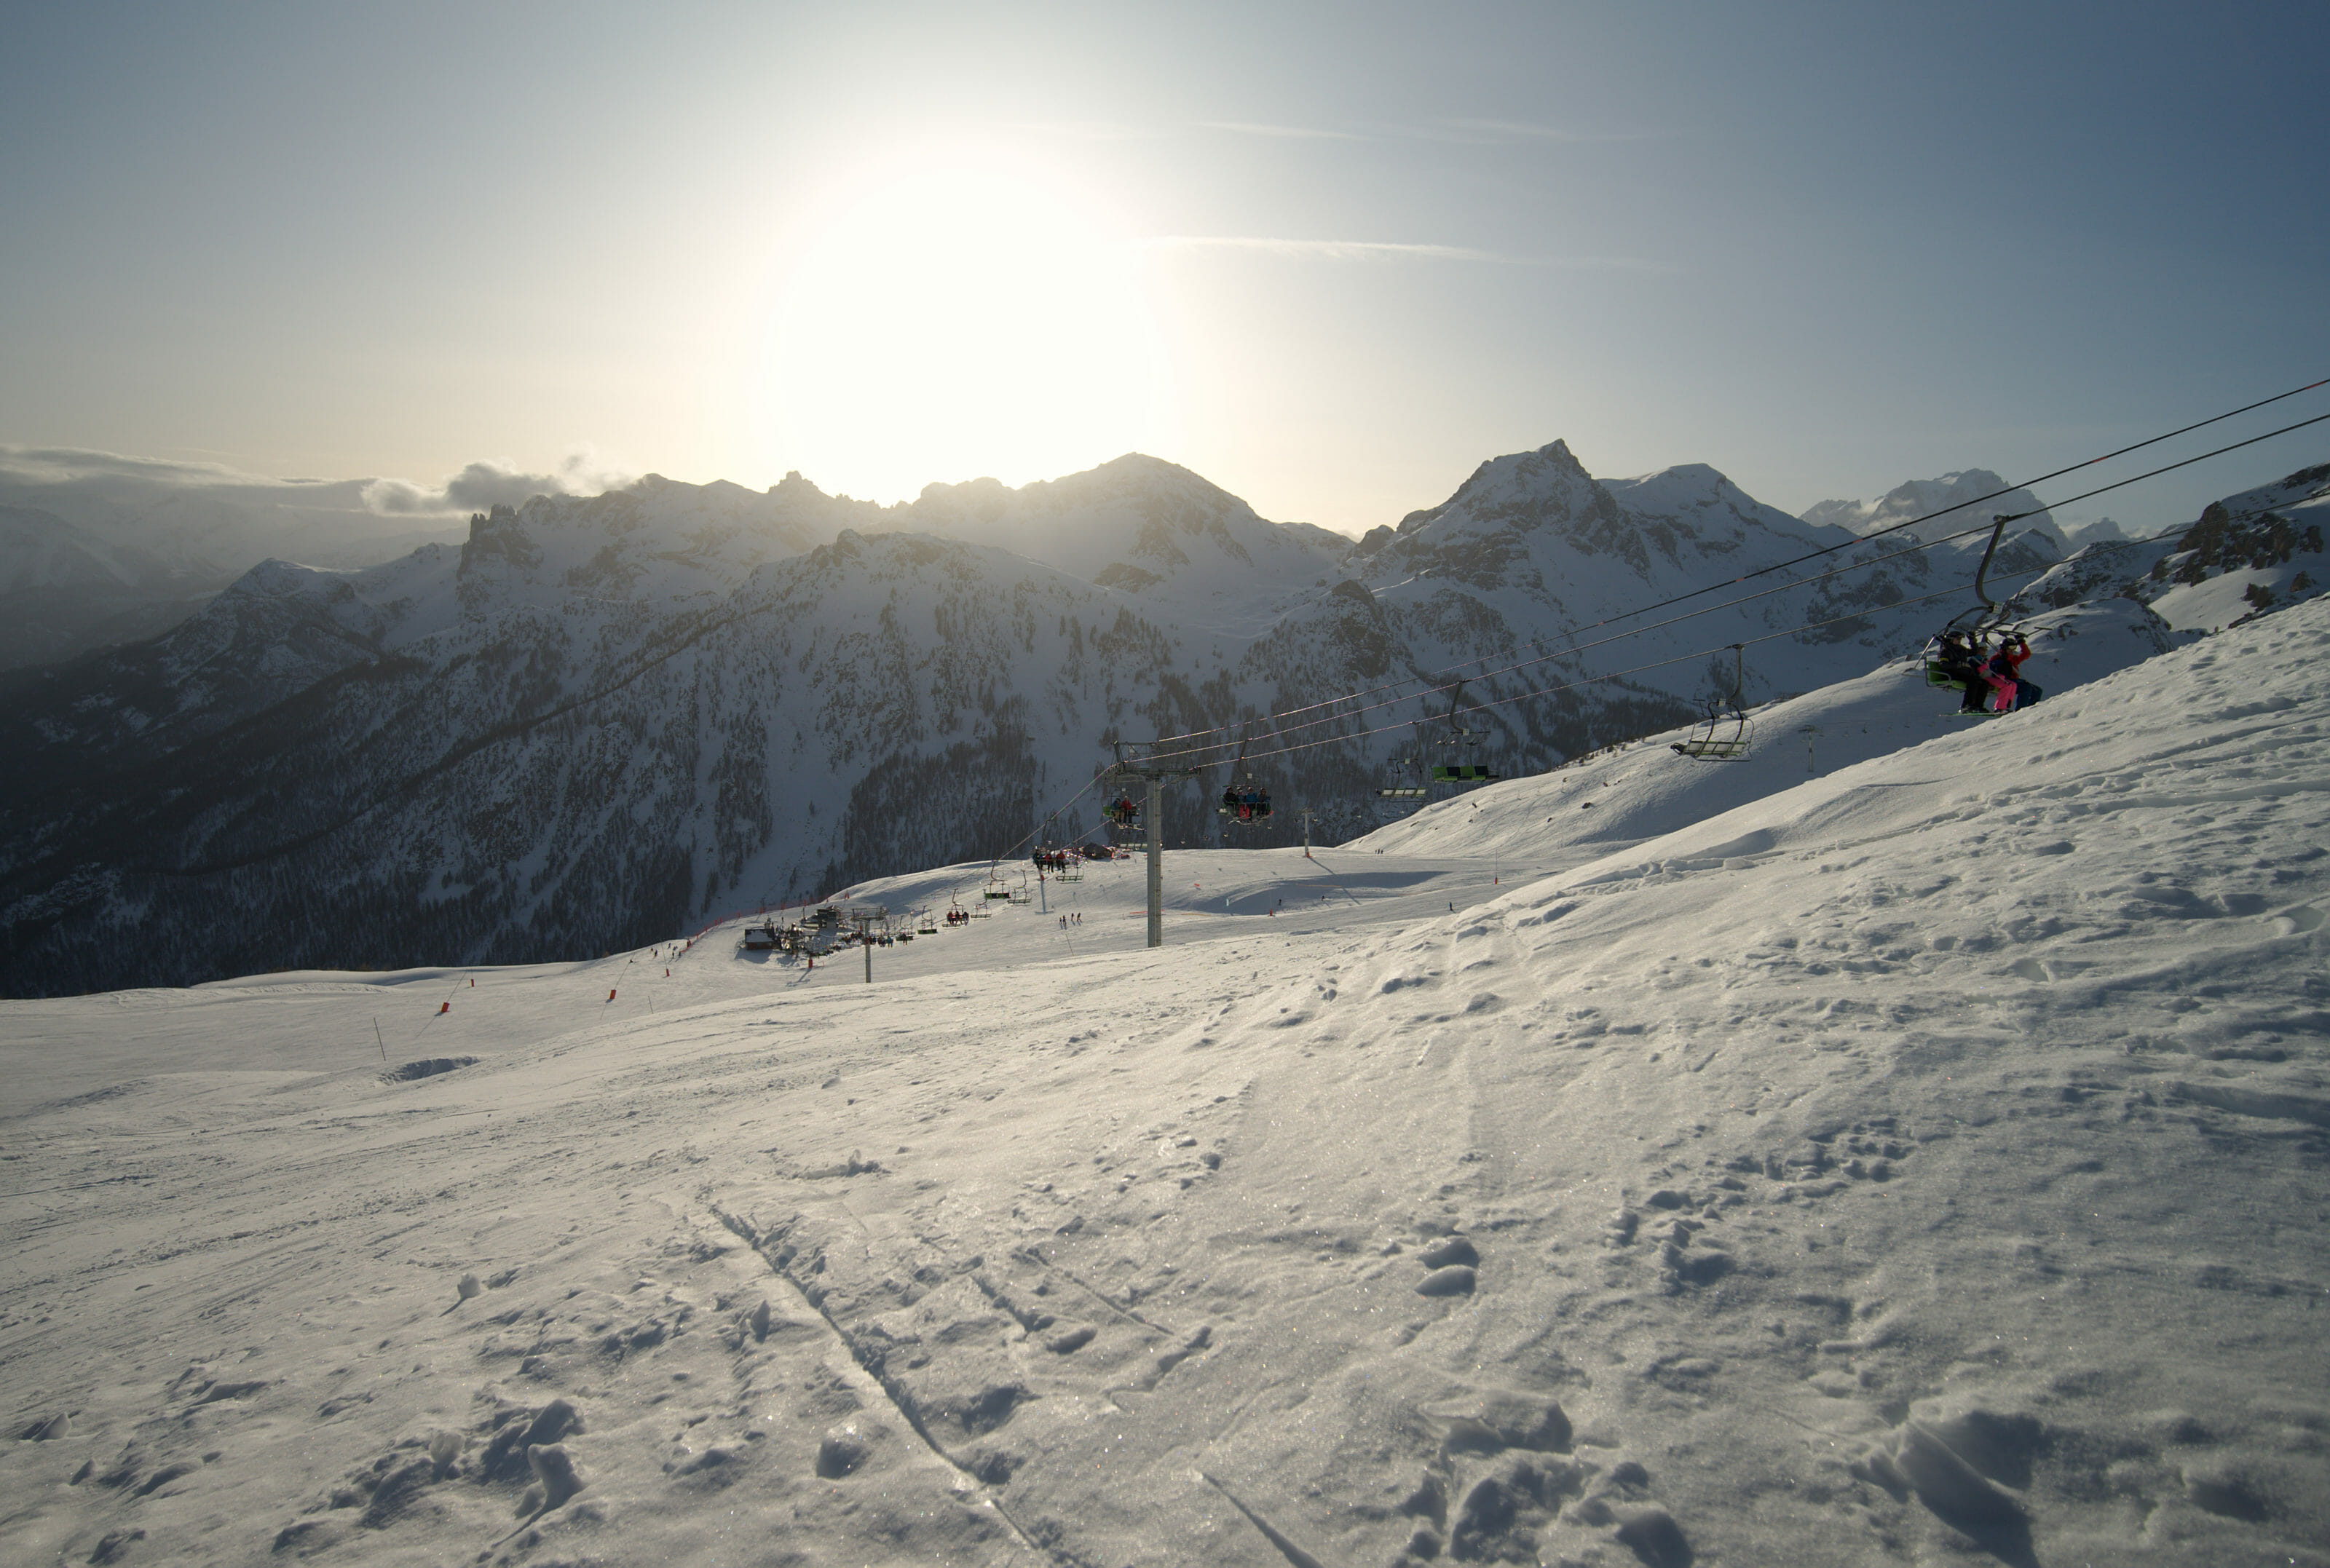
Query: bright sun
pixel 959 322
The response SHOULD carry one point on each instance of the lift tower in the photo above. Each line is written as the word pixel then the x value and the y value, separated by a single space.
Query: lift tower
pixel 1139 760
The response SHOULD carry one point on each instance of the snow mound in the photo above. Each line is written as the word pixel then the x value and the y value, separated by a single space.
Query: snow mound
pixel 1642 790
pixel 1918 1163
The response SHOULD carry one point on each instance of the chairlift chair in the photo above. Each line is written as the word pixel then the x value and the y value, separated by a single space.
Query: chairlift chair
pixel 1987 617
pixel 1723 737
pixel 1456 734
pixel 1404 791
pixel 1243 804
pixel 1407 781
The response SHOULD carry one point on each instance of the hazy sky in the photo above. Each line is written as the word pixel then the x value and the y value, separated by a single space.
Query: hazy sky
pixel 1329 256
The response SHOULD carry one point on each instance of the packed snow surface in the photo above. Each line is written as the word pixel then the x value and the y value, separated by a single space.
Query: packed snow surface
pixel 1916 1159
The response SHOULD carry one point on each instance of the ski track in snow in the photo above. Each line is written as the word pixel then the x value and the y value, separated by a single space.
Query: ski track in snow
pixel 1916 1162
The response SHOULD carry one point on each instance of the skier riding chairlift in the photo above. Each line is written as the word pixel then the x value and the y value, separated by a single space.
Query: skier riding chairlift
pixel 1961 657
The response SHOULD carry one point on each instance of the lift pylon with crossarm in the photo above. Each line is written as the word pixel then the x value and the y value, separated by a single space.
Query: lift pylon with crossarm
pixel 1135 758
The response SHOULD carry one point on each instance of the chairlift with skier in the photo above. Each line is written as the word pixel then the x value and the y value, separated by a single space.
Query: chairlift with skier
pixel 1961 656
pixel 1245 801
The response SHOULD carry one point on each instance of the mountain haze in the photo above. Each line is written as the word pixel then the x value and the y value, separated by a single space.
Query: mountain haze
pixel 600 721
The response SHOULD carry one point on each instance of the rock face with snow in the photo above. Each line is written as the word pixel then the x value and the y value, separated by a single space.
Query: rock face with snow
pixel 1150 530
pixel 598 719
pixel 1914 1160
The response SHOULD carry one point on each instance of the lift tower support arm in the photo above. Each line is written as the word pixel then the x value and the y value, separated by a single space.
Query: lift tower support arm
pixel 1138 764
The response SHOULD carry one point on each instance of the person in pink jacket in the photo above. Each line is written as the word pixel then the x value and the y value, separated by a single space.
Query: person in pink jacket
pixel 2004 673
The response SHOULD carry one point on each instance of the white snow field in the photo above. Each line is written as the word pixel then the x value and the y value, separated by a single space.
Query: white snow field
pixel 1918 1162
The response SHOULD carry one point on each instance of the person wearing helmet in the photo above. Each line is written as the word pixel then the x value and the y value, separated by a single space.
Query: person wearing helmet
pixel 1970 661
pixel 2003 673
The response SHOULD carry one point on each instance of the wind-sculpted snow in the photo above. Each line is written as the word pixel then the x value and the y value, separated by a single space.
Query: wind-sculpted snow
pixel 1918 1163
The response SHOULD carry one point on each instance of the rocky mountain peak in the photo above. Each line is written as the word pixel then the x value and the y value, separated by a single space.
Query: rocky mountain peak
pixel 1924 497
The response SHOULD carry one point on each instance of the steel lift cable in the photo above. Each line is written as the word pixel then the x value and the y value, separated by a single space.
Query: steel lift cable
pixel 1995 526
pixel 1811 626
pixel 1879 533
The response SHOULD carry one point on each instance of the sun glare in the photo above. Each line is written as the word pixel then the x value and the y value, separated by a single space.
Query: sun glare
pixel 956 322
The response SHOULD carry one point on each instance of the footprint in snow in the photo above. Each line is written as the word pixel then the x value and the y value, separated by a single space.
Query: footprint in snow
pixel 1506 1487
pixel 1452 1262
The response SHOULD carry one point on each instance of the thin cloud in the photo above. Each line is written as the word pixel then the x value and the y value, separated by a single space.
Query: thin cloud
pixel 1526 131
pixel 1288 132
pixel 1089 130
pixel 1392 250
pixel 1459 132
pixel 476 487
pixel 62 465
pixel 1334 250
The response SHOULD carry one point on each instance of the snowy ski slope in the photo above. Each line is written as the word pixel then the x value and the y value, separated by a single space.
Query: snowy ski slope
pixel 1919 1161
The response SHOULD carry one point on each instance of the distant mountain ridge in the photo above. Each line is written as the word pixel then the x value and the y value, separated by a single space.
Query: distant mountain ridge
pixel 64 590
pixel 1953 495
pixel 595 720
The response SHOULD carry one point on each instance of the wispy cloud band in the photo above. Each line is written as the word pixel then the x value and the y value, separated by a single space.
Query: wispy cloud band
pixel 1288 132
pixel 1334 250
pixel 1395 251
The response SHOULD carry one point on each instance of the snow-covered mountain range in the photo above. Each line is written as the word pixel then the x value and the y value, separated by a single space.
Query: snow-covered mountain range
pixel 599 720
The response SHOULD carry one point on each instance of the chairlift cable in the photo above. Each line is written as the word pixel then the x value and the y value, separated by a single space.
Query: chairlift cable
pixel 1879 533
pixel 1637 669
pixel 1992 526
pixel 2029 577
pixel 1279 727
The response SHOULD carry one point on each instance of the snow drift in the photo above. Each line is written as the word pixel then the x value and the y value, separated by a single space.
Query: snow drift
pixel 1917 1163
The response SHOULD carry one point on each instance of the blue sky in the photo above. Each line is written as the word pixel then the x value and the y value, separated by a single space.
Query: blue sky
pixel 1329 256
